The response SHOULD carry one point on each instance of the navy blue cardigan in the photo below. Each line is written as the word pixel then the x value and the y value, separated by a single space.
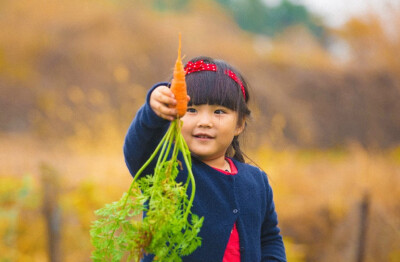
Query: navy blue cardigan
pixel 245 198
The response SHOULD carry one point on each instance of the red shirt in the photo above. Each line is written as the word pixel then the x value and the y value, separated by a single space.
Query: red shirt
pixel 232 251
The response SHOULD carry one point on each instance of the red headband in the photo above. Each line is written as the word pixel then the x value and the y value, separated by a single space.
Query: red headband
pixel 199 65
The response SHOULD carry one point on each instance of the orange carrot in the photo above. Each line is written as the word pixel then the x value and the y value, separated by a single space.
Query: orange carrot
pixel 178 84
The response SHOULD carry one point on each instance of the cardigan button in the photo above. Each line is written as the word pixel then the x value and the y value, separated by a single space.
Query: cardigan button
pixel 235 211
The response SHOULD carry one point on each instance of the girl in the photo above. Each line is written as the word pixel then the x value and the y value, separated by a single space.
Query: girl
pixel 235 199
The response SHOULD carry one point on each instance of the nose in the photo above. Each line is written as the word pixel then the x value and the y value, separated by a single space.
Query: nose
pixel 204 120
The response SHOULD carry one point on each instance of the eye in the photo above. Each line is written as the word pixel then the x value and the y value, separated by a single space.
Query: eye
pixel 220 111
pixel 191 110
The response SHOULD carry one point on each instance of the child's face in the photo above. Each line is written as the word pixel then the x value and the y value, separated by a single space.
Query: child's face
pixel 209 130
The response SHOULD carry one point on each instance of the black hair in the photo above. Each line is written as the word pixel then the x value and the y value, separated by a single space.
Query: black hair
pixel 217 88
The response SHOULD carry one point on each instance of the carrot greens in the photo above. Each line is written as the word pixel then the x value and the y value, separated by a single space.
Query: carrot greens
pixel 169 230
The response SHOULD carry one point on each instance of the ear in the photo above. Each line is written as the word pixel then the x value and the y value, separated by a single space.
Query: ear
pixel 240 127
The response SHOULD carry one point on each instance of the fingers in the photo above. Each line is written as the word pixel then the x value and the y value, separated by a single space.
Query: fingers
pixel 162 101
pixel 164 95
pixel 164 111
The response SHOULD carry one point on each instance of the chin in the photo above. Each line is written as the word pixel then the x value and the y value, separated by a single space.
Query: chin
pixel 201 156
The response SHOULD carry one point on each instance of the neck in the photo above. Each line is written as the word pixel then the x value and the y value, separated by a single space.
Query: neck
pixel 219 163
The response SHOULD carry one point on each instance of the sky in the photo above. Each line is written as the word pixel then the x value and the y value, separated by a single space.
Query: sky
pixel 336 12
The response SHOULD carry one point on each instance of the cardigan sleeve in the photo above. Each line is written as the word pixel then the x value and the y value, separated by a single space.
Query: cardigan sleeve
pixel 272 247
pixel 143 136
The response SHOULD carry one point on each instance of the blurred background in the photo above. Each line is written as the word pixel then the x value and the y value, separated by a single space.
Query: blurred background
pixel 325 83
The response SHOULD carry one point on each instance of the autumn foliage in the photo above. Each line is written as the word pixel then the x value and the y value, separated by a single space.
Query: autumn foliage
pixel 325 124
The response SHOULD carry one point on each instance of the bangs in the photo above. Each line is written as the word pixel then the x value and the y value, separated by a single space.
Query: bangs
pixel 213 88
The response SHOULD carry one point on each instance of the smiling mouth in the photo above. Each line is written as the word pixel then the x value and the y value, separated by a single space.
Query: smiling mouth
pixel 203 136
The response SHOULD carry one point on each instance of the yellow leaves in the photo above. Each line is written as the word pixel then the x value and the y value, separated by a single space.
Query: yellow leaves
pixel 356 28
pixel 275 132
pixel 65 113
pixel 47 102
pixel 97 97
pixel 373 42
pixel 76 95
pixel 92 96
pixel 296 47
pixel 121 74
pixel 2 61
pixel 16 201
pixel 294 252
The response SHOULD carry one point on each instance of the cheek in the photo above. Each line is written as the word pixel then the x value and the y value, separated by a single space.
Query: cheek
pixel 186 130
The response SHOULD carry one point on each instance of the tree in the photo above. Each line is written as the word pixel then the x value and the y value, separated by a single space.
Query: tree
pixel 257 17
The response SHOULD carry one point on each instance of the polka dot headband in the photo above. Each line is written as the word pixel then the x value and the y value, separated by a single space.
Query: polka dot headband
pixel 200 65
